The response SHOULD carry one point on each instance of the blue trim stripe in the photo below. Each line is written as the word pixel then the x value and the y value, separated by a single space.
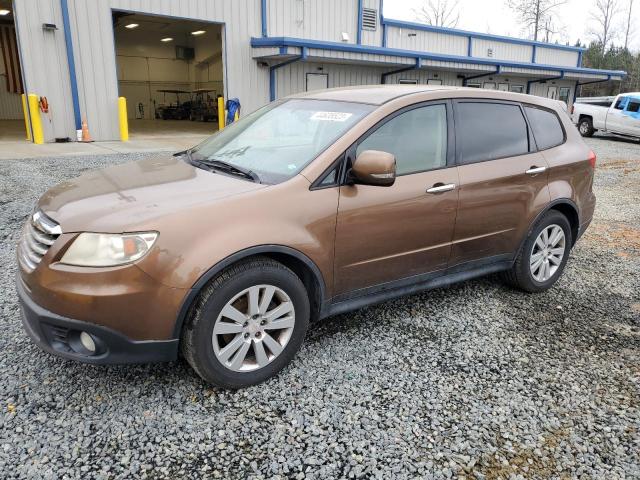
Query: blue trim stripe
pixel 263 17
pixel 72 64
pixel 484 36
pixel 349 47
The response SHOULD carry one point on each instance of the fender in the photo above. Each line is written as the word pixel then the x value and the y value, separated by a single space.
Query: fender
pixel 553 203
pixel 221 265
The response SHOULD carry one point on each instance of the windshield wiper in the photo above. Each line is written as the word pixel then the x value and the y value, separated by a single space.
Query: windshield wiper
pixel 229 168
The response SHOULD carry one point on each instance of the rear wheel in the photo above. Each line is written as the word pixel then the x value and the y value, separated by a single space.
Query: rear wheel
pixel 585 127
pixel 544 254
pixel 247 324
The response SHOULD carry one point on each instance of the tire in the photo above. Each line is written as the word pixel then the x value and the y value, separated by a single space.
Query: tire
pixel 523 274
pixel 585 127
pixel 205 351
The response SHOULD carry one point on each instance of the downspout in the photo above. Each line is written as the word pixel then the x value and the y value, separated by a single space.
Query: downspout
pixel 497 72
pixel 383 77
pixel 578 84
pixel 72 64
pixel 263 17
pixel 543 80
pixel 273 68
pixel 359 34
pixel 382 24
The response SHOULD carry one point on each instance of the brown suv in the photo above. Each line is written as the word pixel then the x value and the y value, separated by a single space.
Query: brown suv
pixel 314 205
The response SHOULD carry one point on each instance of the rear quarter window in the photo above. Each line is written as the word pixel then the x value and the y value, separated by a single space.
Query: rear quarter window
pixel 488 131
pixel 546 127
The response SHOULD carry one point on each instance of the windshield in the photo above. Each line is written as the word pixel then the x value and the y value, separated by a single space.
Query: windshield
pixel 280 139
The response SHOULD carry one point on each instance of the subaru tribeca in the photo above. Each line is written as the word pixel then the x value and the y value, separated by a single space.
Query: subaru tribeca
pixel 314 205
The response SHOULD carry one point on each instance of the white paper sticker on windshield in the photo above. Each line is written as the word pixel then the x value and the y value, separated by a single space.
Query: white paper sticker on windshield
pixel 331 116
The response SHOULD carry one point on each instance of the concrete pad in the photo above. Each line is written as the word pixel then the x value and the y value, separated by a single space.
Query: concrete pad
pixel 145 136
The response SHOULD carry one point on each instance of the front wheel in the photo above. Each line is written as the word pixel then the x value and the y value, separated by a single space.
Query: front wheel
pixel 247 325
pixel 544 255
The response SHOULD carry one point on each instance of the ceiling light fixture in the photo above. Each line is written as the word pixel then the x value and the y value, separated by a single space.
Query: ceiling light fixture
pixel 131 25
pixel 4 12
pixel 167 39
pixel 198 32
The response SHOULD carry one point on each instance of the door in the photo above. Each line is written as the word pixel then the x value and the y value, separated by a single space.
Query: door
pixel 389 233
pixel 317 81
pixel 621 116
pixel 503 181
pixel 552 93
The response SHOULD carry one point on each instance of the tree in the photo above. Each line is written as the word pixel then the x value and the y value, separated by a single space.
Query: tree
pixel 441 13
pixel 535 14
pixel 629 27
pixel 603 16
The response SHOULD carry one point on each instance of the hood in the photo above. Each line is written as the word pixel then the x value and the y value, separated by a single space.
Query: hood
pixel 132 195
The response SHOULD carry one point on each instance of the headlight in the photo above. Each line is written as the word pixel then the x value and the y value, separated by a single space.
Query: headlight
pixel 108 250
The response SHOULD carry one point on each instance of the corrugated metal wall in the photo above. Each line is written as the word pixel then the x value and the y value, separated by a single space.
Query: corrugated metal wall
pixel 44 63
pixel 553 56
pixel 482 48
pixel 418 40
pixel 10 103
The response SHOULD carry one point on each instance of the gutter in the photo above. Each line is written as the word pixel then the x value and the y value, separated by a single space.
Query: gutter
pixel 273 68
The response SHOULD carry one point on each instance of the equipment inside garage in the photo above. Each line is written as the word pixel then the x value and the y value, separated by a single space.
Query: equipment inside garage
pixel 170 71
pixel 12 126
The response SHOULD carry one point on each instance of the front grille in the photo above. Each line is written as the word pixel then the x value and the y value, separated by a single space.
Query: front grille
pixel 39 234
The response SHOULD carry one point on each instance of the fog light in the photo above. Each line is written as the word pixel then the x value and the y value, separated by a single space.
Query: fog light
pixel 87 342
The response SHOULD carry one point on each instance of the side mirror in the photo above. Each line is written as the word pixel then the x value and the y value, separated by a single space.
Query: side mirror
pixel 373 167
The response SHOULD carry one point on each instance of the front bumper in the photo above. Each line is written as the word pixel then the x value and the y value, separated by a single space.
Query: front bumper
pixel 60 336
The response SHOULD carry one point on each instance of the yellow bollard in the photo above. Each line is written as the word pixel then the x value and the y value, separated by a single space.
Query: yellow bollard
pixel 26 116
pixel 220 113
pixel 236 116
pixel 36 122
pixel 124 122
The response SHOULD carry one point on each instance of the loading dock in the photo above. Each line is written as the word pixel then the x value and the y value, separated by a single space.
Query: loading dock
pixel 12 124
pixel 164 65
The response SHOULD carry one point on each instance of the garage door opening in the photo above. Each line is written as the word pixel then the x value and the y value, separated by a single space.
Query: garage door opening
pixel 12 125
pixel 171 73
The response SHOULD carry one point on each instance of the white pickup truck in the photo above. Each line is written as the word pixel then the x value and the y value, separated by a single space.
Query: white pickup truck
pixel 620 116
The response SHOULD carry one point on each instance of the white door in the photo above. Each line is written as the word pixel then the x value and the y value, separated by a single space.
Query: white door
pixel 552 93
pixel 317 81
pixel 503 87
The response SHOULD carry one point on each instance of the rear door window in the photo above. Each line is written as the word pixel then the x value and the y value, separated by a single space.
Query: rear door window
pixel 546 127
pixel 488 131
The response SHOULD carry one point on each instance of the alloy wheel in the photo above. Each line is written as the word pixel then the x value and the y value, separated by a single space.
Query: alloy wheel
pixel 253 328
pixel 547 253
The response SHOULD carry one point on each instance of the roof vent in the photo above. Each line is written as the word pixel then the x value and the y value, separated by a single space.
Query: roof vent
pixel 369 19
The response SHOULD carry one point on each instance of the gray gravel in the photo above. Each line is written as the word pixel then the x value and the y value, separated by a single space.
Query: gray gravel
pixel 473 381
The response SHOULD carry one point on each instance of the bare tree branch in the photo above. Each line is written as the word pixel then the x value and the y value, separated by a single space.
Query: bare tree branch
pixel 603 15
pixel 441 13
pixel 629 28
pixel 536 15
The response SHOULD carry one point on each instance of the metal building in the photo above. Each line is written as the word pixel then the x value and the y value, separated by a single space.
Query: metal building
pixel 269 49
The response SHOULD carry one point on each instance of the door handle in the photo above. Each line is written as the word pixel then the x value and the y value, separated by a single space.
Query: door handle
pixel 441 188
pixel 535 170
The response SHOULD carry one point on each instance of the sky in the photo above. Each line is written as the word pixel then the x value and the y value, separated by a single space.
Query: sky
pixel 493 16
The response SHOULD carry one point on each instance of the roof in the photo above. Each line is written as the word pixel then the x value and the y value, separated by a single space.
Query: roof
pixel 283 42
pixel 380 94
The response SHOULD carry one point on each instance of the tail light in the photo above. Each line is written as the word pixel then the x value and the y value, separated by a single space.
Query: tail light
pixel 592 159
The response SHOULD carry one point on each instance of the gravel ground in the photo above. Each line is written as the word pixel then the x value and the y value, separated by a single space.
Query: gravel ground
pixel 472 381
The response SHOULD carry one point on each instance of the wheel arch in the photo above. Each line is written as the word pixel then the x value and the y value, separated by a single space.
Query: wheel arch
pixel 568 208
pixel 298 262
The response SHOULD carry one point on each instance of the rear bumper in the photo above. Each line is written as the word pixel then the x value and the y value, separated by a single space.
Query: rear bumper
pixel 60 336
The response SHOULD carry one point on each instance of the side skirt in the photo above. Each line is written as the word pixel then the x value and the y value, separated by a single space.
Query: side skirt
pixel 402 287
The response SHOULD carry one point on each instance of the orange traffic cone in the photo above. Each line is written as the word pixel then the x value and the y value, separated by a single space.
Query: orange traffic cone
pixel 86 137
